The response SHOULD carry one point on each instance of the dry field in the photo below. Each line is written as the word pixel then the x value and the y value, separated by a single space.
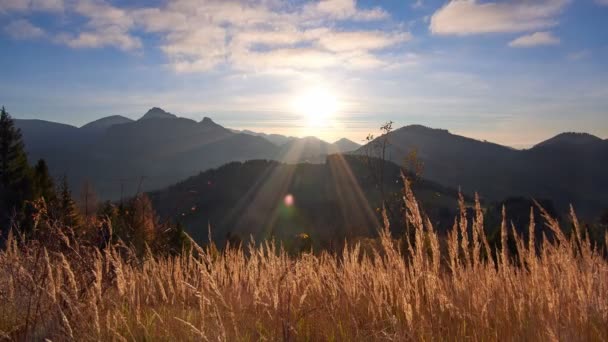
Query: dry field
pixel 432 290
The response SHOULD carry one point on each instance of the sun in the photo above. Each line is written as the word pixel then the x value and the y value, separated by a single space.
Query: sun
pixel 317 106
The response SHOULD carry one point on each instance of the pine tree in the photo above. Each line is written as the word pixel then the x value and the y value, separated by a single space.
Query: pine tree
pixel 43 183
pixel 68 212
pixel 16 180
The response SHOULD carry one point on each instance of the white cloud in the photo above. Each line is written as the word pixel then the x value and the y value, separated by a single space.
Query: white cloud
pixel 255 35
pixel 106 25
pixel 602 2
pixel 465 17
pixel 347 9
pixel 23 29
pixel 262 35
pixel 535 39
pixel 110 36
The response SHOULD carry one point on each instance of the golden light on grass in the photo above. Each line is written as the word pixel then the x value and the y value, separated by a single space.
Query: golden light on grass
pixel 458 290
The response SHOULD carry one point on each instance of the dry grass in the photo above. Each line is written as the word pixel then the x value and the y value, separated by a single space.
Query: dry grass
pixel 261 293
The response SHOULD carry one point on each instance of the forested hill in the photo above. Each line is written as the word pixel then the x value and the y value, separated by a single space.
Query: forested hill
pixel 329 201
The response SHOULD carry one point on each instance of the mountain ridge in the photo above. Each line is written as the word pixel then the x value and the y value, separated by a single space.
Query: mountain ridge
pixel 106 122
pixel 570 174
pixel 165 151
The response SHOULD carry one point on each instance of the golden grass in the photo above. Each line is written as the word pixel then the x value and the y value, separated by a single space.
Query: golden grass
pixel 261 293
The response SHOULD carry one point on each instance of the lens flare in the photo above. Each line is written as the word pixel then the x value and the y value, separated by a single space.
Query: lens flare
pixel 288 200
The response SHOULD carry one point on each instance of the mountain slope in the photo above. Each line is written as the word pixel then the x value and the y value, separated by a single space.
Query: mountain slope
pixel 157 150
pixel 43 137
pixel 157 113
pixel 308 149
pixel 565 172
pixel 103 124
pixel 570 138
pixel 328 201
pixel 346 145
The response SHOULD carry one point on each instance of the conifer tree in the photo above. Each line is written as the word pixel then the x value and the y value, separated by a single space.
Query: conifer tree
pixel 68 212
pixel 16 183
pixel 43 183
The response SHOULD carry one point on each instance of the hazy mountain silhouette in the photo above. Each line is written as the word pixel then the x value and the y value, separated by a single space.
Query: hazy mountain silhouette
pixel 121 156
pixel 308 149
pixel 276 139
pixel 569 168
pixel 157 113
pixel 346 145
pixel 99 126
pixel 314 147
pixel 43 138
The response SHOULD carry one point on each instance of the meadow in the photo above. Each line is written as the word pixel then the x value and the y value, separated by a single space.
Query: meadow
pixel 421 288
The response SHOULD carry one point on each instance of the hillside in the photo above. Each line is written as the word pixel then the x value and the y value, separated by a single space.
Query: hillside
pixel 570 138
pixel 567 169
pixel 331 201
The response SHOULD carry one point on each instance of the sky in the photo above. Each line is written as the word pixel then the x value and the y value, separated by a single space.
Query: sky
pixel 512 72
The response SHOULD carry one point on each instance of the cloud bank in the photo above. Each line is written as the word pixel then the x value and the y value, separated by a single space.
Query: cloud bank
pixel 200 36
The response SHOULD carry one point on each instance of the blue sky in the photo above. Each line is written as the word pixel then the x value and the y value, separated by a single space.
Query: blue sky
pixel 513 72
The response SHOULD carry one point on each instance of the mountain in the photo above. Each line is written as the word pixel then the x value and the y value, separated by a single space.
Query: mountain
pixel 123 156
pixel 570 138
pixel 342 145
pixel 276 139
pixel 327 201
pixel 308 149
pixel 345 145
pixel 556 169
pixel 157 113
pixel 103 124
pixel 42 137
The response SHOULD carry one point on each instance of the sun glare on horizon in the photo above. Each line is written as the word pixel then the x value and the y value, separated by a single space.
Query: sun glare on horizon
pixel 317 106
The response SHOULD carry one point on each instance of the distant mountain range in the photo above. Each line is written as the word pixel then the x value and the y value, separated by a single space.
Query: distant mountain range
pixel 121 156
pixel 568 168
pixel 312 147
